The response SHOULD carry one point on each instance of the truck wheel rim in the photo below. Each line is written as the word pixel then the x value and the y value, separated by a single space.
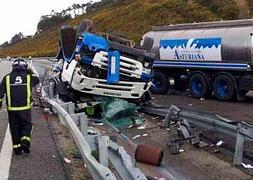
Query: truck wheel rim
pixel 222 88
pixel 196 86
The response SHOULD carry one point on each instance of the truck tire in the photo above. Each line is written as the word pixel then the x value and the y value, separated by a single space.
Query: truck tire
pixel 224 87
pixel 198 85
pixel 67 41
pixel 160 83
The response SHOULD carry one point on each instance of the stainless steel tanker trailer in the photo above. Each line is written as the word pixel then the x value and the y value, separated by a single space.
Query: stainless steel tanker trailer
pixel 211 58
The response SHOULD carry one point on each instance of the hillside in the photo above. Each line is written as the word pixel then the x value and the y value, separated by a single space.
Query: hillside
pixel 135 17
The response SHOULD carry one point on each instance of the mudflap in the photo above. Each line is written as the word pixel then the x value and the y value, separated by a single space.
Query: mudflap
pixel 113 67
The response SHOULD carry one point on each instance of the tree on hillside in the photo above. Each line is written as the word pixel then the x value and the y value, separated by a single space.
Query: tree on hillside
pixel 74 7
pixel 48 21
pixel 98 5
pixel 4 45
pixel 17 38
pixel 84 6
pixel 63 12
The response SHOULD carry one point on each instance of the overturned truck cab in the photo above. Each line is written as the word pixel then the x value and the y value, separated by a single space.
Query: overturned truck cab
pixel 96 65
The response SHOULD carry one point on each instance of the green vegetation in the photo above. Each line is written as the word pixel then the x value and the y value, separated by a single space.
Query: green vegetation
pixel 225 9
pixel 46 22
pixel 250 7
pixel 131 18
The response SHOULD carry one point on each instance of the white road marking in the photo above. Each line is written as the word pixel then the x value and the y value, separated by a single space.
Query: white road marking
pixel 6 151
pixel 6 155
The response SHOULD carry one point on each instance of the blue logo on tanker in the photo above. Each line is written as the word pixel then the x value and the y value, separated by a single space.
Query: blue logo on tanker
pixel 201 42
pixel 191 49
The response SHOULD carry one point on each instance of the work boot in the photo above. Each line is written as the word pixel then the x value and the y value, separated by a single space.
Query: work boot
pixel 25 148
pixel 17 151
pixel 25 145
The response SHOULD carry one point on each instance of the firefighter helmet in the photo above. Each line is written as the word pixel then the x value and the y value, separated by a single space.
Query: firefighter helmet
pixel 19 63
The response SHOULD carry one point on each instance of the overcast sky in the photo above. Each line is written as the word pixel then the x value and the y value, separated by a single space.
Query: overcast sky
pixel 23 15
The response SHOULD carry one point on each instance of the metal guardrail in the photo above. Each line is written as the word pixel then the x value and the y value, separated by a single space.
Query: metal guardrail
pixel 107 149
pixel 97 171
pixel 242 131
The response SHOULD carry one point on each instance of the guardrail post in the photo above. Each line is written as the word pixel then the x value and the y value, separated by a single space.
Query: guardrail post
pixel 69 107
pixel 84 125
pixel 46 88
pixel 103 150
pixel 172 114
pixel 51 91
pixel 195 137
pixel 81 121
pixel 174 149
pixel 184 127
pixel 76 118
pixel 239 146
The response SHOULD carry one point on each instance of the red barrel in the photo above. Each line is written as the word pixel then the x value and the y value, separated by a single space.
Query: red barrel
pixel 149 154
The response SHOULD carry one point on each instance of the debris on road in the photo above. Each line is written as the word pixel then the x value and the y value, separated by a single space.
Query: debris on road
pixel 149 154
pixel 136 136
pixel 97 123
pixel 247 166
pixel 160 178
pixel 48 111
pixel 92 132
pixel 141 127
pixel 219 143
pixel 120 113
pixel 202 144
pixel 67 161
pixel 181 150
pixel 216 151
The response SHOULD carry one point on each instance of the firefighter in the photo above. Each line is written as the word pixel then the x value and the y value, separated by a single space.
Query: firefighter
pixel 17 85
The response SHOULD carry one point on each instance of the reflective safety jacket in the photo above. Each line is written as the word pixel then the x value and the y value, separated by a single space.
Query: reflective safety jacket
pixel 18 89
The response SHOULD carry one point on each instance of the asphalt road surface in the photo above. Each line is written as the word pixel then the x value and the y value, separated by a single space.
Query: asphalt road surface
pixel 44 161
pixel 4 69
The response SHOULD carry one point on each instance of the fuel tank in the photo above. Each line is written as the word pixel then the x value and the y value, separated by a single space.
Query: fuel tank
pixel 223 41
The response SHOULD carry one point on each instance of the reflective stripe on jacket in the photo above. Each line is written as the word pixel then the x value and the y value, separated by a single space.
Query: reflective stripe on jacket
pixel 18 88
pixel 18 92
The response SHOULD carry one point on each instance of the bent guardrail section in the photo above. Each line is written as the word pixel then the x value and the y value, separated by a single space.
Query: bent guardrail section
pixel 97 171
pixel 242 131
pixel 108 150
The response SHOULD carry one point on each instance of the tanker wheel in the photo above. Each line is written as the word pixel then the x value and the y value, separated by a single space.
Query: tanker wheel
pixel 224 87
pixel 198 85
pixel 159 83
